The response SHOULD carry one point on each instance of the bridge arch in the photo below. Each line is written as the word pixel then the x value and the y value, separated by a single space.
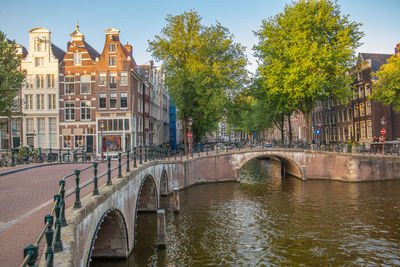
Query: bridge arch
pixel 164 183
pixel 110 239
pixel 289 165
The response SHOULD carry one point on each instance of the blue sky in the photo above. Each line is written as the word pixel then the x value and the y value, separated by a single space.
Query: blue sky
pixel 139 21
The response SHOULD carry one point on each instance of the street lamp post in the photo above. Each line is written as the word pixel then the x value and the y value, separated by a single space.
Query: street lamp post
pixel 190 122
pixel 383 131
pixel 101 133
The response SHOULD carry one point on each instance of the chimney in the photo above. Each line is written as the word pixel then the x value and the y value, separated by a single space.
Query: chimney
pixel 397 49
pixel 129 48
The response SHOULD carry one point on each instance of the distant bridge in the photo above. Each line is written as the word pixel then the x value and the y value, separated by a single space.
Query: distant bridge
pixel 105 224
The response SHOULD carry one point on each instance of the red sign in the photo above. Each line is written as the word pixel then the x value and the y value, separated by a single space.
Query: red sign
pixel 190 135
pixel 383 131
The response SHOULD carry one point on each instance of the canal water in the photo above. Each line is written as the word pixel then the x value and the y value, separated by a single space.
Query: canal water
pixel 269 221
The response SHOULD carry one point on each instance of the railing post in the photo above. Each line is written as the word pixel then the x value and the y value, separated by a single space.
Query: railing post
pixel 95 180
pixel 207 150
pixel 140 156
pixel 51 155
pixel 134 157
pixel 59 155
pixel 217 150
pixel 62 195
pixel 58 246
pixel 12 157
pixel 109 182
pixel 181 155
pixel 128 169
pixel 75 157
pixel 48 219
pixel 33 252
pixel 83 156
pixel 168 154
pixel 145 153
pixel 77 203
pixel 119 165
pixel 187 154
pixel 175 155
pixel 68 155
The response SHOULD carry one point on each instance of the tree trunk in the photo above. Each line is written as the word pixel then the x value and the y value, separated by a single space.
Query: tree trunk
pixel 283 129
pixel 185 137
pixel 290 130
pixel 309 126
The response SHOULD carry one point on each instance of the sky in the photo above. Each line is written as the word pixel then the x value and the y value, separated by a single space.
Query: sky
pixel 140 21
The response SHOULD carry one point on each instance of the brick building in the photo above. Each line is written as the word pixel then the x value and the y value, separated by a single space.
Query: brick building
pixel 119 92
pixel 78 95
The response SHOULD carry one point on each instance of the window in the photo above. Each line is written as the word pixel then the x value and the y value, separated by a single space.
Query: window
pixel 363 129
pixel 39 102
pixel 344 115
pixel 85 110
pixel 39 45
pixel 349 114
pixel 77 59
pixel 102 79
pixel 69 85
pixel 356 110
pixel 112 60
pixel 29 126
pixel 41 132
pixel 69 111
pixel 39 61
pixel 28 102
pixel 340 116
pixel 126 122
pixel 85 84
pixel 367 90
pixel 113 100
pixel 357 131
pixel 361 92
pixel 30 81
pixel 369 108
pixel 362 109
pixel 138 87
pixel 51 81
pixel 123 79
pixel 113 80
pixel 40 81
pixel 369 129
pixel 78 141
pixel 67 141
pixel 124 100
pixel 111 48
pixel 53 132
pixel 102 100
pixel 52 101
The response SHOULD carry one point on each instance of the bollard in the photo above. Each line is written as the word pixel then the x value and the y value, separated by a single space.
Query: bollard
pixel 12 157
pixel 304 173
pixel 168 154
pixel 134 157
pixel 40 155
pixel 59 155
pixel 33 252
pixel 181 155
pixel 51 156
pixel 187 155
pixel 58 246
pixel 161 229
pixel 62 195
pixel 198 152
pixel 128 169
pixel 109 182
pixel 175 155
pixel 207 150
pixel 217 150
pixel 27 156
pixel 175 195
pixel 48 219
pixel 95 180
pixel 77 203
pixel 119 166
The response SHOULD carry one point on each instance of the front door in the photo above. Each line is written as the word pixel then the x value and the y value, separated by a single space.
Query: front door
pixel 89 143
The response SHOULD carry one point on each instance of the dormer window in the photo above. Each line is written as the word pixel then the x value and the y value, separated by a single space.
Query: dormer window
pixel 77 59
pixel 112 48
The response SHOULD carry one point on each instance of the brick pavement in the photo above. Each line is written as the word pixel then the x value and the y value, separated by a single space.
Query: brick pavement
pixel 26 197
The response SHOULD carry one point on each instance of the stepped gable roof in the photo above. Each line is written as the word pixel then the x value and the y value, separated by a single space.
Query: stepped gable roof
pixel 377 60
pixel 57 52
pixel 92 52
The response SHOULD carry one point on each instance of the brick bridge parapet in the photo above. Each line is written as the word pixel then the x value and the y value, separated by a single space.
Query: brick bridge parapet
pixel 105 225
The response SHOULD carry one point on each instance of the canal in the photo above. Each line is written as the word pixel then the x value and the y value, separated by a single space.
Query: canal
pixel 266 220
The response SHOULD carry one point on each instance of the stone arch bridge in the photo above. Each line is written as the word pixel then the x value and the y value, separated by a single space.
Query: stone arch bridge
pixel 105 225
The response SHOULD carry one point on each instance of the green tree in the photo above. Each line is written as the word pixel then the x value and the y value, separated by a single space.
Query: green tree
pixel 306 52
pixel 204 68
pixel 11 76
pixel 387 88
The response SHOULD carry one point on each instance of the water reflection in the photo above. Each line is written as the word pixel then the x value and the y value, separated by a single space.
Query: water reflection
pixel 273 221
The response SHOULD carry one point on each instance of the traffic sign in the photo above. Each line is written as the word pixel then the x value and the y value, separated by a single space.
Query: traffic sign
pixel 190 135
pixel 317 131
pixel 383 131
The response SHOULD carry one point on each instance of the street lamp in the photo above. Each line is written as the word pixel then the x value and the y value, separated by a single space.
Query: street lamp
pixel 190 122
pixel 102 147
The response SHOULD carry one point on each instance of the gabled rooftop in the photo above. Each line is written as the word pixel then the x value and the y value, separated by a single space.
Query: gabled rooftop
pixel 377 60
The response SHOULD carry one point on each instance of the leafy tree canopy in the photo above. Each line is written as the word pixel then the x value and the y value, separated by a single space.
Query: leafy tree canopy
pixel 11 77
pixel 387 88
